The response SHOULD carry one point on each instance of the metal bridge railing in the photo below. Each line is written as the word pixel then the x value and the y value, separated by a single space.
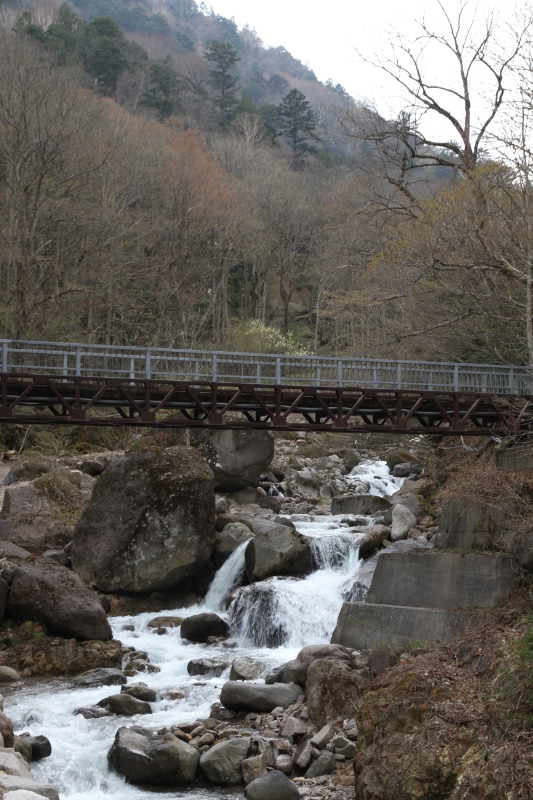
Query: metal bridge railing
pixel 65 359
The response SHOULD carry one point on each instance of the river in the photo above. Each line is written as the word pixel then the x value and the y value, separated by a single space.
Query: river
pixel 286 614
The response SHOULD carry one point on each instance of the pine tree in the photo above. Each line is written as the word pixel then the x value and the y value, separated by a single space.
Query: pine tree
pixel 297 122
pixel 162 92
pixel 224 56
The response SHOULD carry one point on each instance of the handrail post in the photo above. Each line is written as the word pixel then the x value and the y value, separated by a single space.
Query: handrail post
pixel 456 378
pixel 398 375
pixel 278 371
pixel 339 372
pixel 214 376
pixel 148 365
pixel 78 361
pixel 511 381
pixel 4 357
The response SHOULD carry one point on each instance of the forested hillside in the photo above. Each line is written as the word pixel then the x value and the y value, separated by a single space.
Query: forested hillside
pixel 167 179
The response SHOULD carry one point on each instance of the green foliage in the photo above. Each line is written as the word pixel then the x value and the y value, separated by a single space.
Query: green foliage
pixel 270 116
pixel 338 88
pixel 162 92
pixel 277 84
pixel 223 56
pixel 257 85
pixel 130 19
pixel 185 41
pixel 297 123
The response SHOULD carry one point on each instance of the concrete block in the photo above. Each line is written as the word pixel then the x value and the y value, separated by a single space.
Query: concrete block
pixel 368 625
pixel 514 459
pixel 441 580
pixel 469 525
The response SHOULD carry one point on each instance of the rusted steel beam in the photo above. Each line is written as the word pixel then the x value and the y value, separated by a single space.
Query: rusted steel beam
pixel 47 399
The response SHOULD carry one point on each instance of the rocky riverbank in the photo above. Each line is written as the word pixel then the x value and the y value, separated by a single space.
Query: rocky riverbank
pixel 242 691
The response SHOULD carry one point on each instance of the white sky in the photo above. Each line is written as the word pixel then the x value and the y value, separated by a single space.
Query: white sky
pixel 327 34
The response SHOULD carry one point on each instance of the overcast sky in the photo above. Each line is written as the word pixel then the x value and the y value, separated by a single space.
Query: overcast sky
pixel 327 34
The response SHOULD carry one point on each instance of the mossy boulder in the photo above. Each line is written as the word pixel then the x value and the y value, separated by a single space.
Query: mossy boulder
pixel 150 523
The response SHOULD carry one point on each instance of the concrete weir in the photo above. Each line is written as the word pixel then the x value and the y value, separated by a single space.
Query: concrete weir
pixel 418 596
pixel 369 625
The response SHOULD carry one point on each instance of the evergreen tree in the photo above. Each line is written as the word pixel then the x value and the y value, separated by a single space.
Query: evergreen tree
pixel 297 122
pixel 162 92
pixel 224 57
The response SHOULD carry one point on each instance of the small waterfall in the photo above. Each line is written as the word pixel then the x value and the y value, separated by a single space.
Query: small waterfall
pixel 229 577
pixel 292 612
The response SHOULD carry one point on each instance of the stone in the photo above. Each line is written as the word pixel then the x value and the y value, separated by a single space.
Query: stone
pixel 144 757
pixel 351 459
pixel 222 764
pixel 370 625
pixel 6 730
pixel 442 580
pixel 343 747
pixel 278 550
pixel 26 516
pixel 141 692
pixel 200 626
pixel 284 763
pixel 364 504
pixel 137 665
pixel 323 737
pixel 228 540
pixel 23 748
pixel 10 783
pixel 165 622
pixel 207 666
pixel 22 794
pixel 276 675
pixel 237 458
pixel 7 674
pixel 10 764
pixel 302 754
pixel 373 538
pixel 402 470
pixel 125 705
pixel 324 765
pixel 149 524
pixel 100 677
pixel 402 522
pixel 253 768
pixel 245 669
pixel 299 667
pixel 333 690
pixel 239 696
pixel 40 746
pixel 378 661
pixel 58 555
pixel 284 521
pixel 229 519
pixel 91 712
pixel 12 552
pixel 46 592
pixel 272 786
pixel 294 727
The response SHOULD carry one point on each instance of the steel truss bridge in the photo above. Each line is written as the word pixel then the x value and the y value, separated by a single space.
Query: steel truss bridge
pixel 85 384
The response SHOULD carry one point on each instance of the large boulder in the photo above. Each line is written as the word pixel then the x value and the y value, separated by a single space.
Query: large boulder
pixel 331 652
pixel 272 786
pixel 44 591
pixel 100 677
pixel 11 784
pixel 334 690
pixel 278 550
pixel 239 696
pixel 222 763
pixel 26 516
pixel 373 538
pixel 365 504
pixel 402 521
pixel 237 458
pixel 144 757
pixel 228 540
pixel 124 705
pixel 150 523
pixel 199 627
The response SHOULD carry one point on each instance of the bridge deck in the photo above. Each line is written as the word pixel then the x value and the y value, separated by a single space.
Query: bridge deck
pixel 58 383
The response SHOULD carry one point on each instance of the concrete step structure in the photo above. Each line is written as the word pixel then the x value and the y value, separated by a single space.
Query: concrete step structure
pixel 423 596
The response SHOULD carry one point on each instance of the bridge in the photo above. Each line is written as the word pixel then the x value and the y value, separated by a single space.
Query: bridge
pixel 86 384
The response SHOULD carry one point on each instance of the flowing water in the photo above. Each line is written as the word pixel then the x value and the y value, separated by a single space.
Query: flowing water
pixel 270 622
